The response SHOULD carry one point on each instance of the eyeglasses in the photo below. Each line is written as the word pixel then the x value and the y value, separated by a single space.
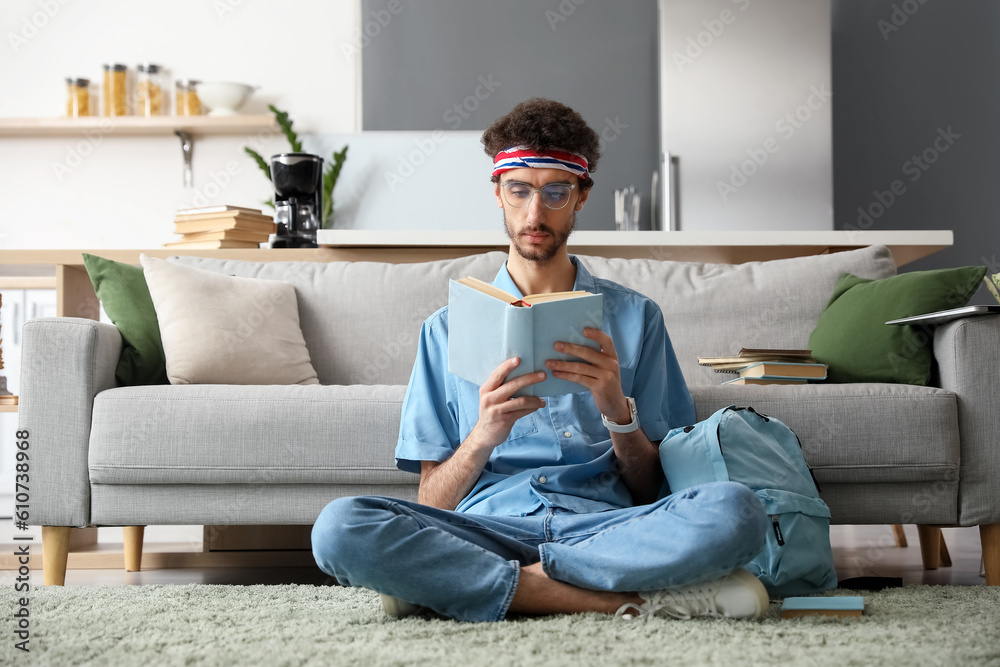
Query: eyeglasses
pixel 554 195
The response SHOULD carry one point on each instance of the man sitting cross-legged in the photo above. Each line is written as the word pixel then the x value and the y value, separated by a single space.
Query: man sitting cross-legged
pixel 554 505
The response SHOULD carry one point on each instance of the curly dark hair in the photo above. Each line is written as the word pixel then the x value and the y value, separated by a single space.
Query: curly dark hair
pixel 544 125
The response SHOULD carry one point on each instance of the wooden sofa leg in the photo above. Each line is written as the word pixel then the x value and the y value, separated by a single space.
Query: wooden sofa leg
pixel 133 547
pixel 989 534
pixel 930 546
pixel 945 556
pixel 899 534
pixel 55 552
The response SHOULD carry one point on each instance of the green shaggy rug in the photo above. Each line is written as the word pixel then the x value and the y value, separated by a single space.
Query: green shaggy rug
pixel 309 625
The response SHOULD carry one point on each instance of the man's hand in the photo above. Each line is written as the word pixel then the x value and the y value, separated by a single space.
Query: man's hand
pixel 598 372
pixel 445 484
pixel 638 459
pixel 498 410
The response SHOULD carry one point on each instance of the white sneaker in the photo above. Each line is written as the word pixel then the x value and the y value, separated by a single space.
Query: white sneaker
pixel 399 608
pixel 739 594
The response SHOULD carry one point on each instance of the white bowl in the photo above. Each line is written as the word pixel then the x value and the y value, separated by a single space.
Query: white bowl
pixel 223 98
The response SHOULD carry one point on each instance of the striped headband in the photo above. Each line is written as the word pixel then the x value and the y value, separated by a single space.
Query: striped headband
pixel 518 157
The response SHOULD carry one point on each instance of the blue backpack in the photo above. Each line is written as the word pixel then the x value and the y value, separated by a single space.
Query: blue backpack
pixel 741 445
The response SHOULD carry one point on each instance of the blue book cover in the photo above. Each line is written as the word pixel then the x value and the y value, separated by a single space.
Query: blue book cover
pixel 845 605
pixel 485 328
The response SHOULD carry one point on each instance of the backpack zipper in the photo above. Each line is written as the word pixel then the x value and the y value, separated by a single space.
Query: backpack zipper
pixel 777 530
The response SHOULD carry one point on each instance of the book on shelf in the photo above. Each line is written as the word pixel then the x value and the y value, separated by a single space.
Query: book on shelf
pixel 214 224
pixel 768 380
pixel 221 208
pixel 487 326
pixel 842 605
pixel 784 370
pixel 211 245
pixel 8 399
pixel 228 235
pixel 242 215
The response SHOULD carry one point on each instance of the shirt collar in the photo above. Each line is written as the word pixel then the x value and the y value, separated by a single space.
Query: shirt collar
pixel 584 281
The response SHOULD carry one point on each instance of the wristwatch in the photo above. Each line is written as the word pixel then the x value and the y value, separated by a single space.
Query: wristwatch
pixel 624 428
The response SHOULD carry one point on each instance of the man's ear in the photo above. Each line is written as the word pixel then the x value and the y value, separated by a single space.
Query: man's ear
pixel 496 191
pixel 582 200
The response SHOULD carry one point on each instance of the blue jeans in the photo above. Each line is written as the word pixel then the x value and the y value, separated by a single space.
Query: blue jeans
pixel 466 566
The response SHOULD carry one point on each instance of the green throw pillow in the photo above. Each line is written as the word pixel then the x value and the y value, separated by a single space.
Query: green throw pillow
pixel 852 338
pixel 125 297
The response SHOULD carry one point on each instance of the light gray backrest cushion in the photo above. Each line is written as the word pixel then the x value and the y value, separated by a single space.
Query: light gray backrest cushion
pixel 361 320
pixel 715 309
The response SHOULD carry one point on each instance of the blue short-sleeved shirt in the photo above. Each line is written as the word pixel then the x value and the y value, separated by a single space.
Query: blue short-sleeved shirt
pixel 561 455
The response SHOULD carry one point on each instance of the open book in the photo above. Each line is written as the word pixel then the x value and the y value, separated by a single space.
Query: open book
pixel 487 326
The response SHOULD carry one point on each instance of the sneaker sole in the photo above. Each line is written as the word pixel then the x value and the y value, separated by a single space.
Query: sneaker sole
pixel 399 608
pixel 753 583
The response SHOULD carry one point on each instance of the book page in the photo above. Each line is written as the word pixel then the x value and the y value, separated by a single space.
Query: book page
pixel 487 288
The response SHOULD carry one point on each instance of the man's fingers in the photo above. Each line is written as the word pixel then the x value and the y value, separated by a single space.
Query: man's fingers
pixel 499 374
pixel 588 354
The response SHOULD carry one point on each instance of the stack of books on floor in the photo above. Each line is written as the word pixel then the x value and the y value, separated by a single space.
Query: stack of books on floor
pixel 221 227
pixel 768 366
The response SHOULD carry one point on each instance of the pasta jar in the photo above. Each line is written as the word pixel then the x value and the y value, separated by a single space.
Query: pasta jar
pixel 115 97
pixel 188 103
pixel 148 90
pixel 77 97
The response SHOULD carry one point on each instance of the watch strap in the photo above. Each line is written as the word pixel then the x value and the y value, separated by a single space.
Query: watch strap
pixel 624 428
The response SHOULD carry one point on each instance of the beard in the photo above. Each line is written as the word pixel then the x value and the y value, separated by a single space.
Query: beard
pixel 540 254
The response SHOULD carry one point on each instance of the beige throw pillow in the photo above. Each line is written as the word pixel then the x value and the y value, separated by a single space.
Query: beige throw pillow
pixel 219 329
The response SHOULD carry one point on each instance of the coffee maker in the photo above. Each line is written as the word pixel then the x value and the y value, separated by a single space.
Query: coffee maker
pixel 298 198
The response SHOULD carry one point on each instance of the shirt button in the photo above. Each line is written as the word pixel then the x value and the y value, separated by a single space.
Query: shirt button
pixel 542 480
pixel 567 434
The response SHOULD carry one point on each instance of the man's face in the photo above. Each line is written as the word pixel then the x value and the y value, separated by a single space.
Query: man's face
pixel 537 232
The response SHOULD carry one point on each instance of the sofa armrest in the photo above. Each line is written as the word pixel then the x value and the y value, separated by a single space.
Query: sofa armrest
pixel 968 357
pixel 65 362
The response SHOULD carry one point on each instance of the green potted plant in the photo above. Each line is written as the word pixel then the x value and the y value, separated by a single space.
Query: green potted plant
pixel 330 174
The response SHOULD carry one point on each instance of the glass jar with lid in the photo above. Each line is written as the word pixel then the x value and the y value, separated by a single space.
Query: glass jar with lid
pixel 188 103
pixel 148 90
pixel 77 97
pixel 115 96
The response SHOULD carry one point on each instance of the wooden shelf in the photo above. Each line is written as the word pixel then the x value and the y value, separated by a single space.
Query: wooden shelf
pixel 8 408
pixel 137 125
pixel 689 246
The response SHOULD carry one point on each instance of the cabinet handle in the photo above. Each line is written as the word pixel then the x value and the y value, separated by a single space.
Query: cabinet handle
pixel 671 195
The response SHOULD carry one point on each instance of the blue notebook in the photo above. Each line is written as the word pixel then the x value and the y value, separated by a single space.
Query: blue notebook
pixel 487 326
pixel 847 605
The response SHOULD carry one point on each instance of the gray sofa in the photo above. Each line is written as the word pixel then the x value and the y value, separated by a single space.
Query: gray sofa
pixel 103 455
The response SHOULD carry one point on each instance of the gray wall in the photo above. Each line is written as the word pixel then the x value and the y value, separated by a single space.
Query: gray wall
pixel 599 57
pixel 896 92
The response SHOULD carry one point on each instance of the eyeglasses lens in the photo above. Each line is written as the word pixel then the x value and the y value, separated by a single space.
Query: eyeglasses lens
pixel 554 195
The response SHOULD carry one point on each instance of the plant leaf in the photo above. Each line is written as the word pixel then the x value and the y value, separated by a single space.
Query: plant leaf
pixel 285 123
pixel 330 176
pixel 259 160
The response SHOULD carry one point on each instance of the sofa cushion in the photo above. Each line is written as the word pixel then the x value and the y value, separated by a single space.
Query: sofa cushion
pixel 361 320
pixel 219 434
pixel 125 297
pixel 857 433
pixel 852 336
pixel 715 309
pixel 227 330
